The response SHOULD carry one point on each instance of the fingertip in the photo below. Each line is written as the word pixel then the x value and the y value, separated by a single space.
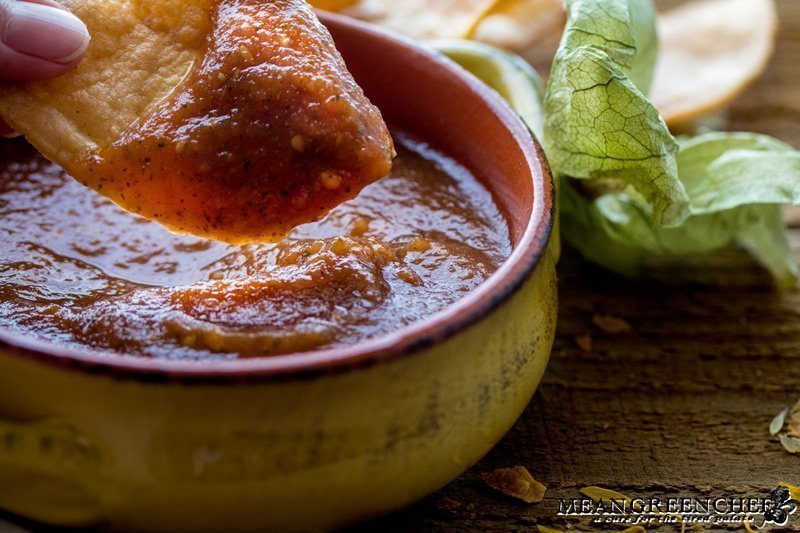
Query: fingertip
pixel 40 40
pixel 20 67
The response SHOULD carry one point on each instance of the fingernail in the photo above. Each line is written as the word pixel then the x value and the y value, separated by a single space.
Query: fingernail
pixel 45 32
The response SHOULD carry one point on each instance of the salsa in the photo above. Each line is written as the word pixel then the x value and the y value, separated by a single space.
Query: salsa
pixel 268 130
pixel 78 271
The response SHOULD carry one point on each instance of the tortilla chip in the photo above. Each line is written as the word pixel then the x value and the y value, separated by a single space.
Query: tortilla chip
pixel 710 51
pixel 233 120
pixel 332 5
pixel 139 52
pixel 422 19
pixel 584 342
pixel 611 324
pixel 516 482
pixel 531 28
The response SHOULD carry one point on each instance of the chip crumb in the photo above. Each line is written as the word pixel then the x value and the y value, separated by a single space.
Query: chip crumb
pixel 611 324
pixel 794 491
pixel 790 444
pixel 516 482
pixel 584 342
pixel 794 421
pixel 448 505
pixel 777 423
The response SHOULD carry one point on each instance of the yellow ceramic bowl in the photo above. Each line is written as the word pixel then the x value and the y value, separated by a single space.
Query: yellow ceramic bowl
pixel 315 440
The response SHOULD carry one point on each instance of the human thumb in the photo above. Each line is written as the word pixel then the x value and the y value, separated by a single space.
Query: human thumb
pixel 39 39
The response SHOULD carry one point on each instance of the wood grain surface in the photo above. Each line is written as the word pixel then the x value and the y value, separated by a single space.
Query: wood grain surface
pixel 681 405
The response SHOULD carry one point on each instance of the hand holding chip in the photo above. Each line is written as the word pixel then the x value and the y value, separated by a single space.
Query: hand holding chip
pixel 38 39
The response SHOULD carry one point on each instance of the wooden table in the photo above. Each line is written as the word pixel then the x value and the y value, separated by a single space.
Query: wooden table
pixel 679 406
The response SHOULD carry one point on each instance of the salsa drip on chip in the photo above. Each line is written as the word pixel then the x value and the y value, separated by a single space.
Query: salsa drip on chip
pixel 252 126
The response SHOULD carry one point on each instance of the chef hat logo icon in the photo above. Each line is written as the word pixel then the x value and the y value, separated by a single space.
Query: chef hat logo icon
pixel 781 507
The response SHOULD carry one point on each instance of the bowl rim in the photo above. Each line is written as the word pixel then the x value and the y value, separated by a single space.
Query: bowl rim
pixel 404 342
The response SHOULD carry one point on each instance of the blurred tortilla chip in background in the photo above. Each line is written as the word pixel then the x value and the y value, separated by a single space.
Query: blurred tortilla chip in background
pixel 511 24
pixel 420 19
pixel 710 51
pixel 531 28
pixel 332 5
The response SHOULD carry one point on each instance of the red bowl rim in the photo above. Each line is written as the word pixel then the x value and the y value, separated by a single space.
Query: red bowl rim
pixel 412 339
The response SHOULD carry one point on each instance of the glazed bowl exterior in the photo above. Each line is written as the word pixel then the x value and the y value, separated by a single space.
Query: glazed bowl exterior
pixel 305 441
